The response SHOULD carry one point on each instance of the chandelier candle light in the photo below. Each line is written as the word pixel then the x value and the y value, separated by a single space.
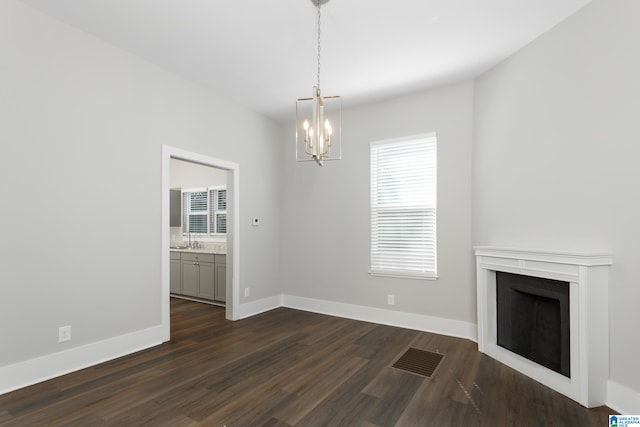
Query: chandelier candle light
pixel 318 120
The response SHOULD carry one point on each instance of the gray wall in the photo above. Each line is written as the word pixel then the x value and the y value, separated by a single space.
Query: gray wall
pixel 325 242
pixel 82 128
pixel 556 155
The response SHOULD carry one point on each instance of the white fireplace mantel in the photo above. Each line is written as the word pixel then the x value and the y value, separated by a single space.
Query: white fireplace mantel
pixel 588 277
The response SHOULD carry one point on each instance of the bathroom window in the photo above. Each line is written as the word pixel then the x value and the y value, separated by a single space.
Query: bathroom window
pixel 204 211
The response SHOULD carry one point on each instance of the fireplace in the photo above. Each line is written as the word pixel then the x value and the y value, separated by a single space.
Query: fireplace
pixel 545 314
pixel 532 319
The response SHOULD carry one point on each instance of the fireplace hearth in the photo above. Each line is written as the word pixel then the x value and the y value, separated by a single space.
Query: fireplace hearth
pixel 537 296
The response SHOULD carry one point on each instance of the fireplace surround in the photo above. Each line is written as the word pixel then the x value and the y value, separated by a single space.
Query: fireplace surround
pixel 587 277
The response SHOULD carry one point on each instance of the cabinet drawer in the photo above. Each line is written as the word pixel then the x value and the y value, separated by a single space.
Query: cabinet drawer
pixel 175 255
pixel 221 259
pixel 197 257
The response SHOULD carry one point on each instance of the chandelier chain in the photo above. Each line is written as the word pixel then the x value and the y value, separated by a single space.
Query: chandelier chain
pixel 318 42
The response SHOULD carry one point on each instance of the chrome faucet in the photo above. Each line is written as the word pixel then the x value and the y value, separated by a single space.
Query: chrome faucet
pixel 195 244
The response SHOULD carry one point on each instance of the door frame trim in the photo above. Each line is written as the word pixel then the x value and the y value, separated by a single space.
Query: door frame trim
pixel 233 231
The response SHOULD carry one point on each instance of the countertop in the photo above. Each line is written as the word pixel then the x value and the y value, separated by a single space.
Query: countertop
pixel 200 250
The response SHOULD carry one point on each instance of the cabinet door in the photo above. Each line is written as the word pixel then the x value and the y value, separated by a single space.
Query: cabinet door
pixel 221 282
pixel 175 208
pixel 207 280
pixel 190 278
pixel 174 276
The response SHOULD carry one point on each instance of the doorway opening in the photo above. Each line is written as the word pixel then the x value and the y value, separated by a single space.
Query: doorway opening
pixel 232 225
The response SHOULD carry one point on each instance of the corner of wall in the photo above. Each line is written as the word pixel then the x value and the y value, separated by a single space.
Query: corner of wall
pixel 622 399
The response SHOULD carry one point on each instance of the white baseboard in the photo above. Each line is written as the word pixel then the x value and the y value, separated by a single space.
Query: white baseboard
pixel 259 306
pixel 28 372
pixel 622 399
pixel 32 371
pixel 420 322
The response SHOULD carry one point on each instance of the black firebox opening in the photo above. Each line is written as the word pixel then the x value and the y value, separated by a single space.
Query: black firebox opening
pixel 533 319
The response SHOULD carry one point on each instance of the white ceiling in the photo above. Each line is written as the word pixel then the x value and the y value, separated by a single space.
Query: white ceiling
pixel 262 53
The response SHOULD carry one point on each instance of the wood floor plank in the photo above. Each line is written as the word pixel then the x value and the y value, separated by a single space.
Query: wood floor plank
pixel 286 368
pixel 394 390
pixel 345 407
pixel 274 422
pixel 308 398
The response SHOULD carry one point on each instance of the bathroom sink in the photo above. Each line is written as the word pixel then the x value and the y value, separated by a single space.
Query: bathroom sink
pixel 179 247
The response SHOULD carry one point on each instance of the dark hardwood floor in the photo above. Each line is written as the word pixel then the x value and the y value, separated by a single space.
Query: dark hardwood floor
pixel 292 368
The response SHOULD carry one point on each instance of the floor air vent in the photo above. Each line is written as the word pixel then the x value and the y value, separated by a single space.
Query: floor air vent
pixel 420 362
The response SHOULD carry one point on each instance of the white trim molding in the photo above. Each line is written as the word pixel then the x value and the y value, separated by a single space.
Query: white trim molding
pixel 253 308
pixel 233 233
pixel 588 278
pixel 622 399
pixel 419 322
pixel 32 371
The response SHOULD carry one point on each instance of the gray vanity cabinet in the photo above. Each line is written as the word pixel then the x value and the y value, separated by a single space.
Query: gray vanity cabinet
pixel 198 278
pixel 199 275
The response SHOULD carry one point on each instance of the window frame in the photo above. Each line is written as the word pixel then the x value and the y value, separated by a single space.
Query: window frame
pixel 423 213
pixel 211 209
pixel 216 211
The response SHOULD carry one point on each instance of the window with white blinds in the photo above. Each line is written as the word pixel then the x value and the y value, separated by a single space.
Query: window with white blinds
pixel 218 211
pixel 204 211
pixel 403 207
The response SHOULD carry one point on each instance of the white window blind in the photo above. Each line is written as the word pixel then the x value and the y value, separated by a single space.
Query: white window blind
pixel 204 211
pixel 403 207
pixel 218 213
pixel 195 204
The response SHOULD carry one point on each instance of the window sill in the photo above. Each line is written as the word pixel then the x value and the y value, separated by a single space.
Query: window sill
pixel 403 276
pixel 212 238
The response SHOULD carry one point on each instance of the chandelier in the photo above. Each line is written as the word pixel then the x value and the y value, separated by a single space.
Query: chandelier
pixel 318 119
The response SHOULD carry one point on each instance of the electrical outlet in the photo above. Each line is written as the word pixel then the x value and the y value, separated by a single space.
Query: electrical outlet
pixel 64 333
pixel 247 292
pixel 391 300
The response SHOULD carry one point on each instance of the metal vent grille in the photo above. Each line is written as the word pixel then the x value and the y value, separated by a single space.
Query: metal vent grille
pixel 420 362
